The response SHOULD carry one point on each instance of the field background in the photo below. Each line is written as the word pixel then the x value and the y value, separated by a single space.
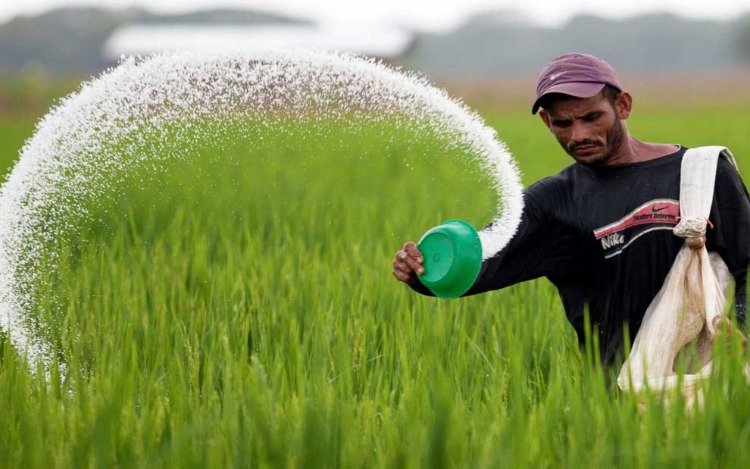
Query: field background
pixel 239 310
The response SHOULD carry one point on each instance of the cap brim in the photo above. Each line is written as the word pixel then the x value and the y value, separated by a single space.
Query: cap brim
pixel 577 90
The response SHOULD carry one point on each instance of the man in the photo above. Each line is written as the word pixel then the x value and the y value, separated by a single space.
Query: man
pixel 601 229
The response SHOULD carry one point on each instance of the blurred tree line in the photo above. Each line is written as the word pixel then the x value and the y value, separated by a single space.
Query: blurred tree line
pixel 745 40
pixel 505 44
pixel 45 56
pixel 69 40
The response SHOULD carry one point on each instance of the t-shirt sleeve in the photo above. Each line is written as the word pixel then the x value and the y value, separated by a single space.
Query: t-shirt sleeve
pixel 524 256
pixel 730 235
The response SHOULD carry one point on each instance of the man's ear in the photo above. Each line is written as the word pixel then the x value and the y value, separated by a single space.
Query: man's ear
pixel 545 117
pixel 624 105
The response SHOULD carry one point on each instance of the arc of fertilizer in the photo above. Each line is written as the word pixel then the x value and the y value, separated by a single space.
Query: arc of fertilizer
pixel 73 148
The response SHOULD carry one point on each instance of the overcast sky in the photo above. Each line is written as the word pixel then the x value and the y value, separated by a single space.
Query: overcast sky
pixel 420 14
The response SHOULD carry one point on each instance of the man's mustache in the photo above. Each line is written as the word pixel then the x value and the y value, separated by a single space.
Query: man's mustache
pixel 575 145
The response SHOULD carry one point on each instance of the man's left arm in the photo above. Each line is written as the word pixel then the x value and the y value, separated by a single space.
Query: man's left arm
pixel 730 236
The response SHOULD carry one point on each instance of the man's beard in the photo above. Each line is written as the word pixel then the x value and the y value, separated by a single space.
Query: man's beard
pixel 615 138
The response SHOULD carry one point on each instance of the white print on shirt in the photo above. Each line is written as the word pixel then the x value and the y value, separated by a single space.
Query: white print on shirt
pixel 613 239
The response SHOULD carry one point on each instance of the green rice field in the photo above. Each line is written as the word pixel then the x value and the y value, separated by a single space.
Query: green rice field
pixel 237 309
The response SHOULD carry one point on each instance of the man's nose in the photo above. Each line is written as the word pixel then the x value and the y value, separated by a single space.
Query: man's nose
pixel 579 132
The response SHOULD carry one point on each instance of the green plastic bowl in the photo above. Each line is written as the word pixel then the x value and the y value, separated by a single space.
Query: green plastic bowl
pixel 452 258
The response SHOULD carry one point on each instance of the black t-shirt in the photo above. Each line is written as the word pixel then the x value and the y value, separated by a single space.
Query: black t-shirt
pixel 603 236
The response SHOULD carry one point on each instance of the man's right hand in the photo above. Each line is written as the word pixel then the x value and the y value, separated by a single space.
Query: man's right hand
pixel 408 263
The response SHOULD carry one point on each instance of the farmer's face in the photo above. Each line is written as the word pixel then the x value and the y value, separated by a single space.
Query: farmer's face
pixel 591 130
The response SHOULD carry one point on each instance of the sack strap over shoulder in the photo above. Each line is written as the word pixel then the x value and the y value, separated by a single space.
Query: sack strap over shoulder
pixel 697 180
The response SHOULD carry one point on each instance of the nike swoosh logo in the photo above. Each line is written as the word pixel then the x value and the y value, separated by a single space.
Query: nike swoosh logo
pixel 659 209
pixel 555 76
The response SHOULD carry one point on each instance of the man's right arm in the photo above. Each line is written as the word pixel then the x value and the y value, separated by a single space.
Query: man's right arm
pixel 522 259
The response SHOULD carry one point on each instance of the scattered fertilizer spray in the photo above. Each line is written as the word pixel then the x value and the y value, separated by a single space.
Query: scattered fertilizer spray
pixel 116 123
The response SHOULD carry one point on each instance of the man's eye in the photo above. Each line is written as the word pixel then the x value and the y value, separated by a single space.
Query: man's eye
pixel 591 117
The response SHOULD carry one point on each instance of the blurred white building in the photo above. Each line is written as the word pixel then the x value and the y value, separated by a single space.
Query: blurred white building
pixel 388 44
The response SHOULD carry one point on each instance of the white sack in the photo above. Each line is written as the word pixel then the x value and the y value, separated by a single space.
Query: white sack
pixel 691 302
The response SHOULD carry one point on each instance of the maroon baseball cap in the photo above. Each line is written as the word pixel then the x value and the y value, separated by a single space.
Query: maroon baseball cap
pixel 579 75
